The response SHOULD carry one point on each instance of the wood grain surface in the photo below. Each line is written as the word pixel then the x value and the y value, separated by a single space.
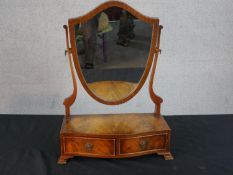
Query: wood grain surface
pixel 115 124
pixel 112 90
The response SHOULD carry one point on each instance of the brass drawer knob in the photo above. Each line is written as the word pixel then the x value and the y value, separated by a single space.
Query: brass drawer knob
pixel 89 146
pixel 143 144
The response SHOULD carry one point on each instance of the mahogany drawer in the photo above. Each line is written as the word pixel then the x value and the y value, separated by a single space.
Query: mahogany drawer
pixel 142 144
pixel 89 146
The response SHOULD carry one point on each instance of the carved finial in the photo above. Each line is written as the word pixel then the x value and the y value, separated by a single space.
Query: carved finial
pixel 65 26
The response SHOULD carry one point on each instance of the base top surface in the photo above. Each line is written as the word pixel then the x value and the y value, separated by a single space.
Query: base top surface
pixel 114 124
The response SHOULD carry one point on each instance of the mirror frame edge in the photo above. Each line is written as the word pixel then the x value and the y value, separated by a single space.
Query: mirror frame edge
pixel 155 30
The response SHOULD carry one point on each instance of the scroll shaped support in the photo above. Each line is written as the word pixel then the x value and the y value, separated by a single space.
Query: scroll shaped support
pixel 155 98
pixel 69 100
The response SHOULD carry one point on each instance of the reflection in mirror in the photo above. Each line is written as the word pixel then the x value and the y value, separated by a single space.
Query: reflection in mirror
pixel 113 49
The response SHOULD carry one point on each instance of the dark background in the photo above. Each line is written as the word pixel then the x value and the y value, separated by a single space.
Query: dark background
pixel 29 144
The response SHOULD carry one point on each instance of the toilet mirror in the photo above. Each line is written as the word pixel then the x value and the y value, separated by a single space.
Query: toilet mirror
pixel 111 49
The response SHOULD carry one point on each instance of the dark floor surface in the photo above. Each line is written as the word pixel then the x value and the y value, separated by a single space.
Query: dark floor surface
pixel 200 145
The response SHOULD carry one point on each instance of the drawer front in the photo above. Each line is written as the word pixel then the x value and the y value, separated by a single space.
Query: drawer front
pixel 89 146
pixel 142 144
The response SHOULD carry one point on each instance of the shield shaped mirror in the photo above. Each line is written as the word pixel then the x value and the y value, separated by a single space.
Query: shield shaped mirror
pixel 112 49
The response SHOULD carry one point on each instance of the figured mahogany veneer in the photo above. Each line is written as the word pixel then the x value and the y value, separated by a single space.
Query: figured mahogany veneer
pixel 89 146
pixel 115 136
pixel 141 144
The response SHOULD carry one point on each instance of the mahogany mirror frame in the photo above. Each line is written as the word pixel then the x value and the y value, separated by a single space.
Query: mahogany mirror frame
pixel 153 48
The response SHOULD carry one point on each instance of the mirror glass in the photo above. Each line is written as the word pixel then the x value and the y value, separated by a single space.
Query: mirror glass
pixel 113 48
